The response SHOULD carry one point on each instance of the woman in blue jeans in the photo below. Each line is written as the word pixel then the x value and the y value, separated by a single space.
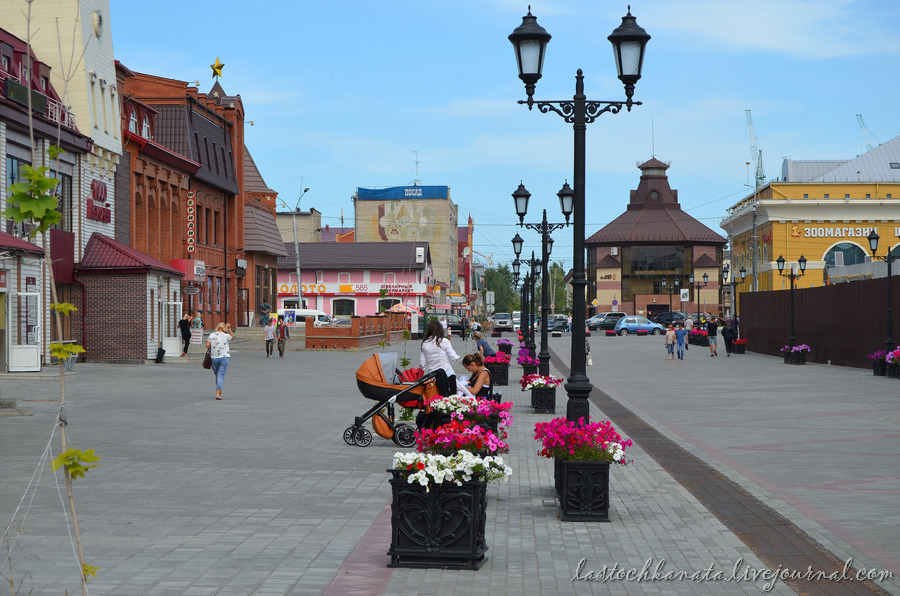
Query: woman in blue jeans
pixel 217 342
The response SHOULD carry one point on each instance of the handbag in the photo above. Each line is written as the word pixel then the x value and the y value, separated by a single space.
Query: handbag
pixel 589 361
pixel 207 360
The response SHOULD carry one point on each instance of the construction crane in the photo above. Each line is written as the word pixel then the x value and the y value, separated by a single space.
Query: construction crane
pixel 865 133
pixel 755 152
pixel 486 257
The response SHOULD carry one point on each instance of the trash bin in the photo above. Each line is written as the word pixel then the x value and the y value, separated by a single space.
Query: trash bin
pixel 160 354
pixel 69 363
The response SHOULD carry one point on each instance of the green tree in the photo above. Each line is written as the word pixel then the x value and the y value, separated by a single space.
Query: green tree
pixel 557 288
pixel 500 281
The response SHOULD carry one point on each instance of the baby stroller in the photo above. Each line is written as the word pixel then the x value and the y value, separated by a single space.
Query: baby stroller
pixel 380 380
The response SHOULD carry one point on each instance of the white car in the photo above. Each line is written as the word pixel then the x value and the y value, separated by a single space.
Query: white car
pixel 503 322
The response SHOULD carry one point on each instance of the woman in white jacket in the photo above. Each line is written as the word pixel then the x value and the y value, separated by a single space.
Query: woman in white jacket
pixel 435 356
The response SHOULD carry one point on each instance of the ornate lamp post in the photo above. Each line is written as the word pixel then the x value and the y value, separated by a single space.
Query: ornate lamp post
pixel 294 213
pixel 734 282
pixel 530 42
pixel 674 288
pixel 793 277
pixel 521 196
pixel 697 287
pixel 887 258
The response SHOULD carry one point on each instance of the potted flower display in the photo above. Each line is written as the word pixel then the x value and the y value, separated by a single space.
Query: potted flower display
pixel 543 392
pixel 505 346
pixel 582 453
pixel 879 362
pixel 438 508
pixel 527 361
pixel 457 436
pixel 798 354
pixel 786 352
pixel 740 346
pixel 498 366
pixel 481 411
pixel 892 360
pixel 699 337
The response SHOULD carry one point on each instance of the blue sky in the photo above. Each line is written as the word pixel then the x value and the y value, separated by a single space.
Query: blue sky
pixel 343 94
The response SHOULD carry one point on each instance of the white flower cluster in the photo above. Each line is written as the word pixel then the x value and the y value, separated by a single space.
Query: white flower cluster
pixel 454 403
pixel 618 453
pixel 430 468
pixel 541 382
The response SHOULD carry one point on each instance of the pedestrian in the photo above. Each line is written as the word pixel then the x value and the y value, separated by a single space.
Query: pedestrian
pixel 264 309
pixel 197 322
pixel 670 342
pixel 479 383
pixel 728 336
pixel 444 326
pixel 681 341
pixel 435 356
pixel 587 349
pixel 688 325
pixel 283 334
pixel 463 326
pixel 220 352
pixel 484 348
pixel 269 335
pixel 569 324
pixel 712 332
pixel 184 325
pixel 736 323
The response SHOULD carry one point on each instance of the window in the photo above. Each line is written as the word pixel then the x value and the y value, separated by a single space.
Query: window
pixel 224 163
pixel 132 122
pixel 386 303
pixel 390 278
pixel 215 157
pixel 343 307
pixel 852 254
pixel 343 278
pixel 14 173
pixel 216 228
pixel 805 196
pixel 209 288
pixel 64 199
pixel 218 294
pixel 826 195
pixel 145 128
pixel 847 196
pixel 197 145
pixel 868 196
pixel 895 165
pixel 5 61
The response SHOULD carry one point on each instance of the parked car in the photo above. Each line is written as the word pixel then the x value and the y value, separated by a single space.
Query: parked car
pixel 672 317
pixel 516 318
pixel 557 322
pixel 628 325
pixel 503 321
pixel 610 320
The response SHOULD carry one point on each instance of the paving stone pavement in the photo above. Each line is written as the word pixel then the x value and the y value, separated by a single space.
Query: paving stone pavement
pixel 259 494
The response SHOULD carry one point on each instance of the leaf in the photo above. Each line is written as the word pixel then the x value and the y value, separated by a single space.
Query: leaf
pixel 34 200
pixel 71 459
pixel 65 308
pixel 64 350
pixel 89 571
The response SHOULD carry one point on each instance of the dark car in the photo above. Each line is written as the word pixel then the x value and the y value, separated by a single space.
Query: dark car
pixel 672 317
pixel 610 320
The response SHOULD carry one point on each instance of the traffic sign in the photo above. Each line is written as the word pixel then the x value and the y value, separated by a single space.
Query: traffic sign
pixel 552 307
pixel 489 308
pixel 615 302
pixel 595 302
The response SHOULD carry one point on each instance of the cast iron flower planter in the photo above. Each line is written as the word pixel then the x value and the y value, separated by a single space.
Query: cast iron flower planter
pixel 583 489
pixel 543 400
pixel 740 348
pixel 893 369
pixel 798 357
pixel 505 348
pixel 442 529
pixel 529 369
pixel 499 373
pixel 879 368
pixel 611 332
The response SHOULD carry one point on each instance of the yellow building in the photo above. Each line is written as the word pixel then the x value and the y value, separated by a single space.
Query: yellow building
pixel 821 210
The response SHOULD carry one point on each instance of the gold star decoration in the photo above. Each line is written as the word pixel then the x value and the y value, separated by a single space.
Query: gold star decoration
pixel 217 68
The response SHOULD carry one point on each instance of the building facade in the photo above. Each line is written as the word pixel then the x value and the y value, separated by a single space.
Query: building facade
pixel 820 210
pixel 635 261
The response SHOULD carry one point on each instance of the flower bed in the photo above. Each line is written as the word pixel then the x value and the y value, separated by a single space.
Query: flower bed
pixel 499 358
pixel 532 381
pixel 580 440
pixel 459 436
pixel 879 362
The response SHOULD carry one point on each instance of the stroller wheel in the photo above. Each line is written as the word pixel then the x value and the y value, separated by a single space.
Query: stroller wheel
pixel 350 434
pixel 404 435
pixel 363 437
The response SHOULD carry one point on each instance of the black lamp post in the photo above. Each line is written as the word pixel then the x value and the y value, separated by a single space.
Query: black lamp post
pixel 530 42
pixel 888 258
pixel 675 283
pixel 734 282
pixel 698 287
pixel 521 196
pixel 793 277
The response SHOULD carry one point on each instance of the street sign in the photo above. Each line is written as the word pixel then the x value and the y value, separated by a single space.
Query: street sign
pixel 685 295
pixel 614 303
pixel 595 302
pixel 489 308
pixel 489 297
pixel 552 307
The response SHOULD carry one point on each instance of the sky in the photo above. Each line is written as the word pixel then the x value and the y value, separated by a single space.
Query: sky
pixel 349 94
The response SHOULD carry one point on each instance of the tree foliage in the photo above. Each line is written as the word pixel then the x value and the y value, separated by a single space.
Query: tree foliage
pixel 500 281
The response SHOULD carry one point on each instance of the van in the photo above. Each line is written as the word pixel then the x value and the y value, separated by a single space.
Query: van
pixel 297 317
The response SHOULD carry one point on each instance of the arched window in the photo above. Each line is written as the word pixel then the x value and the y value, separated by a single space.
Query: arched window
pixel 343 307
pixel 851 254
pixel 132 122
pixel 145 129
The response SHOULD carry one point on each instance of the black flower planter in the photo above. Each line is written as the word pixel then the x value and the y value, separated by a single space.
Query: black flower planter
pixel 499 373
pixel 641 332
pixel 610 332
pixel 740 348
pixel 496 334
pixel 529 369
pixel 443 528
pixel 583 490
pixel 787 357
pixel 879 368
pixel 798 357
pixel 543 400
pixel 893 369
pixel 505 348
pixel 491 423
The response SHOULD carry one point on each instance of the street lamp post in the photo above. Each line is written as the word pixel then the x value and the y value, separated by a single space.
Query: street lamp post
pixel 521 196
pixel 734 282
pixel 698 286
pixel 675 283
pixel 297 248
pixel 793 277
pixel 530 42
pixel 887 258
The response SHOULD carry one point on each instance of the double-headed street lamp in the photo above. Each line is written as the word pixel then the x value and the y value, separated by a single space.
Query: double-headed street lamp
pixel 533 267
pixel 887 258
pixel 801 262
pixel 734 282
pixel 698 286
pixel 675 285
pixel 530 42
pixel 521 196
pixel 297 247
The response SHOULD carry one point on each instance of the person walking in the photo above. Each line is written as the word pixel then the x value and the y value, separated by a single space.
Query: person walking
pixel 197 322
pixel 218 344
pixel 484 348
pixel 670 342
pixel 688 325
pixel 184 325
pixel 269 335
pixel 569 324
pixel 264 309
pixel 728 336
pixel 283 335
pixel 444 326
pixel 712 332
pixel 680 341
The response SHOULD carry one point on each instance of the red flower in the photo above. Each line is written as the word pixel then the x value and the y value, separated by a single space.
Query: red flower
pixel 420 466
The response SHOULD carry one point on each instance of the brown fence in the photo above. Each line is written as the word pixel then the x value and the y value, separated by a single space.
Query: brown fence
pixel 841 323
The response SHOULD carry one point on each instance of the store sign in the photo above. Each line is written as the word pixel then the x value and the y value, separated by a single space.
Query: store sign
pixel 339 289
pixel 97 208
pixel 829 232
pixel 3 275
pixel 190 210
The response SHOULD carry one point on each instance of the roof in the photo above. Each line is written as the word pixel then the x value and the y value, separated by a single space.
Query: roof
pixel 102 252
pixel 10 242
pixel 609 262
pixel 253 180
pixel 330 234
pixel 705 261
pixel 356 255
pixel 654 216
pixel 872 166
pixel 261 232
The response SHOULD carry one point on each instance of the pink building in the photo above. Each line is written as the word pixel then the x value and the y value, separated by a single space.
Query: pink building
pixel 346 279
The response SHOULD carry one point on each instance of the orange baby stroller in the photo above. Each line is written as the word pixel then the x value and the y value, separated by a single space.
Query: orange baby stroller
pixel 380 380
